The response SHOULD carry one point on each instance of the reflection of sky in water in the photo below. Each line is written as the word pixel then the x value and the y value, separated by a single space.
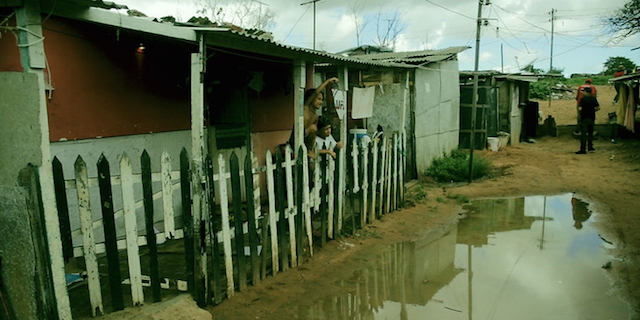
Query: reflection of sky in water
pixel 528 261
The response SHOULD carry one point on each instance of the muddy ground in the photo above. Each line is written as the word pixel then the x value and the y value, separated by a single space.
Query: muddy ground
pixel 608 178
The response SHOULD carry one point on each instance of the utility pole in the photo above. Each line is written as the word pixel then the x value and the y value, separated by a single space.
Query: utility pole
pixel 475 91
pixel 314 19
pixel 551 54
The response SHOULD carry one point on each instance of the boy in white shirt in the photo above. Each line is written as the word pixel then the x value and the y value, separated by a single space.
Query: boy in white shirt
pixel 325 143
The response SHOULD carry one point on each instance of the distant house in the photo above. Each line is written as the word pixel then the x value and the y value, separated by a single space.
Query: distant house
pixel 423 101
pixel 502 107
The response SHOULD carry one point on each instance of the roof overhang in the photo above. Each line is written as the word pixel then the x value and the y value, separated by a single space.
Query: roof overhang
pixel 628 77
pixel 218 37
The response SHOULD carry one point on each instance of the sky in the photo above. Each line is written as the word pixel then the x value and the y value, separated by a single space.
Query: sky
pixel 516 33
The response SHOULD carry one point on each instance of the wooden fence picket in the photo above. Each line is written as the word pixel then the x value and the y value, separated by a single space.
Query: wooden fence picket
pixel 226 230
pixel 251 221
pixel 389 174
pixel 382 176
pixel 88 244
pixel 394 195
pixel 167 196
pixel 323 198
pixel 216 277
pixel 131 230
pixel 300 208
pixel 147 194
pixel 374 178
pixel 280 205
pixel 187 221
pixel 330 196
pixel 275 260
pixel 110 239
pixel 63 210
pixel 306 202
pixel 291 210
pixel 365 183
pixel 234 169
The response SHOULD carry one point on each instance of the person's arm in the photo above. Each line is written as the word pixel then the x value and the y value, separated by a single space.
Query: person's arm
pixel 327 151
pixel 320 88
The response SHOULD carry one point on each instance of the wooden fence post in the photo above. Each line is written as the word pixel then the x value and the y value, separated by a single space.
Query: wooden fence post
pixel 110 239
pixel 323 198
pixel 167 196
pixel 238 220
pixel 88 244
pixel 147 194
pixel 331 166
pixel 275 260
pixel 216 288
pixel 307 196
pixel 63 210
pixel 280 203
pixel 251 221
pixel 374 179
pixel 365 183
pixel 187 221
pixel 131 230
pixel 300 203
pixel 291 210
pixel 226 232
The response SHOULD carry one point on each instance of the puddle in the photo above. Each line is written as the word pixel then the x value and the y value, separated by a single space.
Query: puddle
pixel 522 258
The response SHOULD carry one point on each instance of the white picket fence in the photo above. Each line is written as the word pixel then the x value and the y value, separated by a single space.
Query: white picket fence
pixel 374 186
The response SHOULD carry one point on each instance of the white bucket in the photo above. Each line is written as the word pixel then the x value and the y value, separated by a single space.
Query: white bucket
pixel 359 133
pixel 493 143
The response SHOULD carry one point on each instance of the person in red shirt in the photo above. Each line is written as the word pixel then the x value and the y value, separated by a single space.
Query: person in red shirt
pixel 594 93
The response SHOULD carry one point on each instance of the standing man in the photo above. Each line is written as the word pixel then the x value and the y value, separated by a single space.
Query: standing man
pixel 594 92
pixel 587 112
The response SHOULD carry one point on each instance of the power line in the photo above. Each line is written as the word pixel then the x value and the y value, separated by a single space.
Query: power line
pixel 519 16
pixel 452 11
pixel 295 24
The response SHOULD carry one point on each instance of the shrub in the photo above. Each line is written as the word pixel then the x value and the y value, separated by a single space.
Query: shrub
pixel 455 167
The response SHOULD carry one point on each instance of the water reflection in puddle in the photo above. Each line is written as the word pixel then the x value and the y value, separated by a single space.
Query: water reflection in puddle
pixel 523 258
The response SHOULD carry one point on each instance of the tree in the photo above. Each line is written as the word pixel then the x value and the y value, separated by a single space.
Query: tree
pixel 388 29
pixel 625 22
pixel 611 65
pixel 248 14
pixel 360 22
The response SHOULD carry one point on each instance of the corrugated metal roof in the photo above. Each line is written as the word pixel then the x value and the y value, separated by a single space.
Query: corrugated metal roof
pixel 98 4
pixel 320 56
pixel 414 57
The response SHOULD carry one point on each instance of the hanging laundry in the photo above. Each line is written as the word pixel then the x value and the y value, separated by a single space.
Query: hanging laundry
pixel 362 102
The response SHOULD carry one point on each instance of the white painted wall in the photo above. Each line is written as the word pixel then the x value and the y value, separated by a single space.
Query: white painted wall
pixel 437 112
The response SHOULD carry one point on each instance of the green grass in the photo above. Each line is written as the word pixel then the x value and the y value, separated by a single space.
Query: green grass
pixel 454 167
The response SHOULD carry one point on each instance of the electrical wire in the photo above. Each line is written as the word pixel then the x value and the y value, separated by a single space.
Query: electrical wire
pixel 452 11
pixel 295 24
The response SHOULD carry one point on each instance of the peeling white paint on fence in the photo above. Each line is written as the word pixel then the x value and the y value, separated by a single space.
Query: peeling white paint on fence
pixel 291 208
pixel 378 187
pixel 226 232
pixel 91 262
pixel 167 196
pixel 272 212
pixel 331 167
pixel 131 231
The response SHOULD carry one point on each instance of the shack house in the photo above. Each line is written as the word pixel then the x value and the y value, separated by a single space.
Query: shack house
pixel 423 101
pixel 99 82
pixel 502 107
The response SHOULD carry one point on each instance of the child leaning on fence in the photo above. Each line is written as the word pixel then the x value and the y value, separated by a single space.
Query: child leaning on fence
pixel 325 143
